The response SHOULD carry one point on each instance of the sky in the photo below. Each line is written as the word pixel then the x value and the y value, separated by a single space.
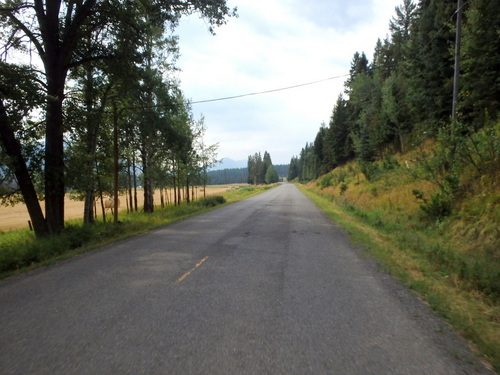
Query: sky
pixel 275 44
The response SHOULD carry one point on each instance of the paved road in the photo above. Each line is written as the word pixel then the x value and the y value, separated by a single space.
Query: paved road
pixel 265 286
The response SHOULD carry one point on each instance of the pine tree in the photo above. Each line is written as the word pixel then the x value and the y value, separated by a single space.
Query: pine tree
pixel 359 66
pixel 338 143
pixel 266 163
pixel 400 27
pixel 481 62
pixel 430 65
pixel 319 150
pixel 293 170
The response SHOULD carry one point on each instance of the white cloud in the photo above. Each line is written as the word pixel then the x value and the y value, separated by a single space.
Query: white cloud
pixel 274 44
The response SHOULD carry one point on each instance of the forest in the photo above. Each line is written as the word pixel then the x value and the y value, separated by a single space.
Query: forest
pixel 260 170
pixel 90 104
pixel 240 175
pixel 228 176
pixel 404 95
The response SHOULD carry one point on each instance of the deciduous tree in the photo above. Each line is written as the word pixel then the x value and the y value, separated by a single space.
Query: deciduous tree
pixel 55 30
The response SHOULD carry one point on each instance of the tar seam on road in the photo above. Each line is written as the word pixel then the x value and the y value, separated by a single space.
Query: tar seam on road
pixel 191 270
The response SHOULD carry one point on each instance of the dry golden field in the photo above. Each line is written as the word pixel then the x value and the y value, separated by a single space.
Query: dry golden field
pixel 16 217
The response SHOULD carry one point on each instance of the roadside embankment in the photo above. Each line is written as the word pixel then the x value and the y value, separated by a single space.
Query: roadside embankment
pixel 450 258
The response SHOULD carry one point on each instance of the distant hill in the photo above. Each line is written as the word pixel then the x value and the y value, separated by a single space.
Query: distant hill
pixel 227 163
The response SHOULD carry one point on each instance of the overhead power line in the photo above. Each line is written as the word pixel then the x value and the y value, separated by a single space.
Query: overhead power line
pixel 461 4
pixel 269 91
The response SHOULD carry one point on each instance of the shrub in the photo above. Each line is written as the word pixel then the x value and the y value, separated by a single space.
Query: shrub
pixel 325 181
pixel 213 201
pixel 438 207
pixel 370 170
pixel 343 188
pixel 76 236
pixel 389 162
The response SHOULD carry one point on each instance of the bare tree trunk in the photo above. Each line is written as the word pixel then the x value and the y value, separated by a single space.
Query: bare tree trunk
pixel 99 190
pixel 129 177
pixel 115 163
pixel 204 181
pixel 13 150
pixel 135 182
pixel 54 156
pixel 88 208
pixel 401 142
pixel 91 146
pixel 175 191
pixel 146 173
pixel 179 190
pixel 102 207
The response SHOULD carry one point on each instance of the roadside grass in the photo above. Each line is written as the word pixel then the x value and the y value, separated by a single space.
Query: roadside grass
pixel 453 264
pixel 21 251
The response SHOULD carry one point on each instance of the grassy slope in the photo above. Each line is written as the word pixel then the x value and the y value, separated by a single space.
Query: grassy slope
pixel 454 264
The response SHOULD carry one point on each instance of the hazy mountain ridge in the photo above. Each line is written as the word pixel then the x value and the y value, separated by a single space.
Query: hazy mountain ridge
pixel 228 163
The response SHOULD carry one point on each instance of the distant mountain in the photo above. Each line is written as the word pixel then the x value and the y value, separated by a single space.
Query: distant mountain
pixel 228 163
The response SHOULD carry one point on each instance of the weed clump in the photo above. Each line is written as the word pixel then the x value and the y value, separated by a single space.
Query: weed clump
pixel 28 250
pixel 212 201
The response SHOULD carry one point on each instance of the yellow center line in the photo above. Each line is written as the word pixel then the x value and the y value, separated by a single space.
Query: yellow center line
pixel 191 270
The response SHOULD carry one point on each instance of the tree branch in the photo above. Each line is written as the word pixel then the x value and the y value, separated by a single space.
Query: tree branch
pixel 82 13
pixel 27 32
pixel 88 59
pixel 14 9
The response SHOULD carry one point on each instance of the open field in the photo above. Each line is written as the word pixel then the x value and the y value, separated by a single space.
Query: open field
pixel 16 217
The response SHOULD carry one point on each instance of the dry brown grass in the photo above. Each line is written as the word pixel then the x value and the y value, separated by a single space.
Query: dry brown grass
pixel 473 314
pixel 16 217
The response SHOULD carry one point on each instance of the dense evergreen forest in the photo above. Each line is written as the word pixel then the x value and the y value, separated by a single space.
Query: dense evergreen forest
pixel 228 176
pixel 89 104
pixel 239 175
pixel 404 95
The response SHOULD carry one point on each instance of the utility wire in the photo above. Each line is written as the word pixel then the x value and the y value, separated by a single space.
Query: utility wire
pixel 321 80
pixel 269 91
pixel 302 84
pixel 444 25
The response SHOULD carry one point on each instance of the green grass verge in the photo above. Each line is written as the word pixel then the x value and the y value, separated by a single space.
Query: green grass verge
pixel 424 265
pixel 21 251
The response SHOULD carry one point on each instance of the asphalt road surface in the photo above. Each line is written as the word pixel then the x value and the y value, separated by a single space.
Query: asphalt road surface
pixel 268 285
